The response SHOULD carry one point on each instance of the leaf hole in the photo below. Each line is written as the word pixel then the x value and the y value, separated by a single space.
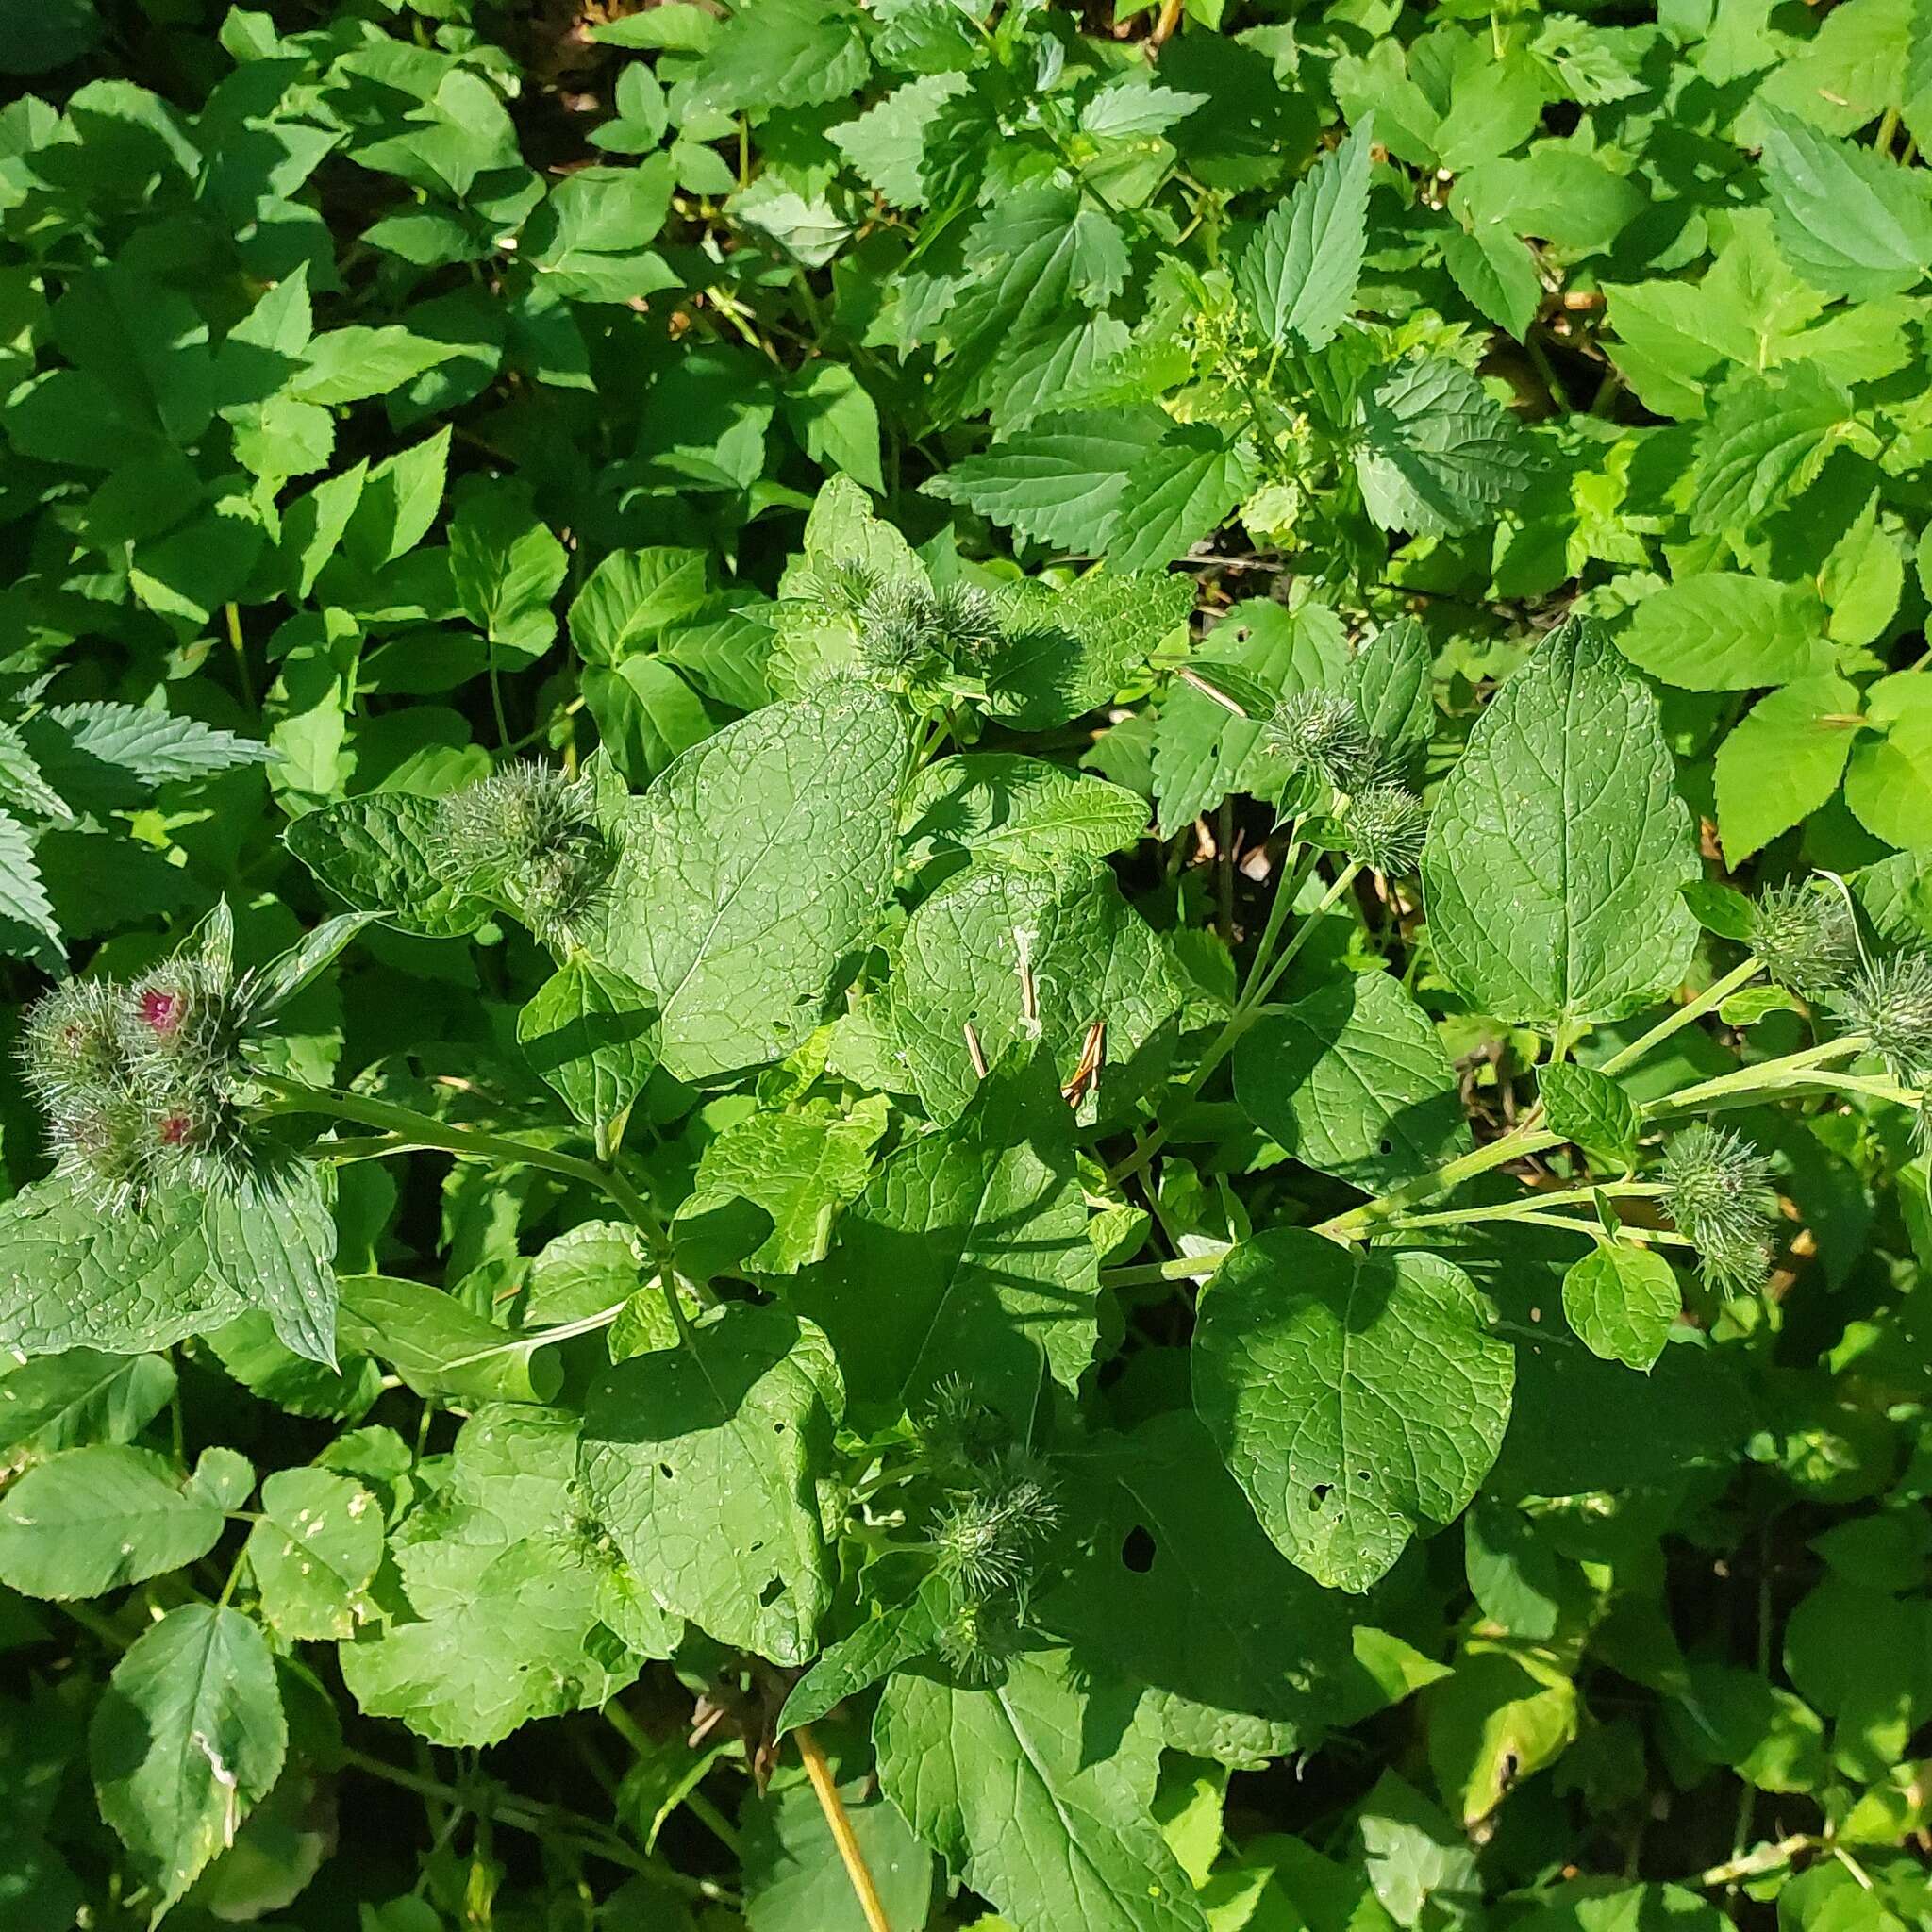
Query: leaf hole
pixel 664 1470
pixel 1318 1496
pixel 770 1593
pixel 1387 1146
pixel 1138 1550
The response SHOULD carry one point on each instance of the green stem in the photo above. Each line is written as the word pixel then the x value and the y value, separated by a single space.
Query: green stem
pixel 1530 1204
pixel 424 1130
pixel 1261 982
pixel 1182 1268
pixel 1767 1077
pixel 1514 1146
pixel 1713 995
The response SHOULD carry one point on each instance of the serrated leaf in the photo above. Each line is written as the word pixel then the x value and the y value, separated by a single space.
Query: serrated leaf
pixel 1438 454
pixel 1888 781
pixel 1353 1081
pixel 188 1738
pixel 95 1518
pixel 968 1245
pixel 1557 845
pixel 1179 491
pixel 1060 480
pixel 703 1461
pixel 345 365
pixel 506 566
pixel 1355 1394
pixel 1763 443
pixel 1011 1787
pixel 750 870
pixel 1725 631
pixel 1849 221
pixel 1297 276
pixel 27 926
pixel 1591 1109
pixel 591 1034
pixel 1622 1302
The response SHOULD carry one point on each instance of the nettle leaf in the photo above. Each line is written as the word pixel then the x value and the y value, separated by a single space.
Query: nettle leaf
pixel 1438 456
pixel 1354 1393
pixel 1068 651
pixel 1849 221
pixel 29 928
pixel 1353 1080
pixel 126 1282
pixel 1297 276
pixel 591 1034
pixel 751 869
pixel 187 1739
pixel 968 1246
pixel 1016 1789
pixel 1042 259
pixel 383 853
pixel 1060 480
pixel 1019 811
pixel 703 1461
pixel 1622 1302
pixel 1023 955
pixel 94 1519
pixel 1557 845
pixel 784 54
pixel 1725 631
pixel 314 1552
pixel 1179 491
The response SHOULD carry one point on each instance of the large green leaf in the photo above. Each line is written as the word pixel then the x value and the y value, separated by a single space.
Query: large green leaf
pixel 514 1607
pixel 1175 1585
pixel 383 853
pixel 271 1239
pixel 89 1521
pixel 1726 631
pixel 592 1035
pixel 1178 492
pixel 1354 1080
pixel 314 1552
pixel 1354 1393
pixel 64 1400
pixel 1557 845
pixel 73 1276
pixel 188 1738
pixel 703 1461
pixel 751 869
pixel 1621 1301
pixel 967 1247
pixel 1036 1793
pixel 1783 762
pixel 1032 955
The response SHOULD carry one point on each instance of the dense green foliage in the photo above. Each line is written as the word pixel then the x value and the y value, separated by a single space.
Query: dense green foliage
pixel 994 928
